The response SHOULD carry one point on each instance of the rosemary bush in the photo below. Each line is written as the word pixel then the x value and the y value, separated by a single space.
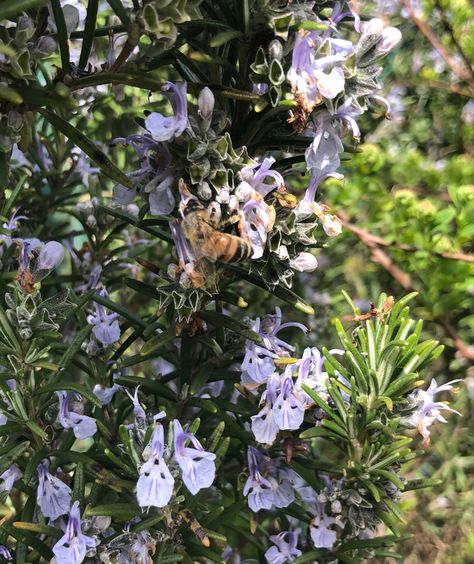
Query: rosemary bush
pixel 160 163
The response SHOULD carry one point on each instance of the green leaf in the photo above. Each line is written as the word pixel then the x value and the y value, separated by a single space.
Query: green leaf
pixel 120 11
pixel 142 288
pixel 10 95
pixel 120 511
pixel 82 141
pixel 283 294
pixel 36 429
pixel 422 483
pixel 388 540
pixel 63 38
pixel 322 404
pixel 159 342
pixel 310 556
pixel 69 387
pixel 221 320
pixel 74 347
pixel 29 540
pixel 147 385
pixel 38 528
pixel 89 29
pixel 147 524
pixel 224 37
pixel 79 484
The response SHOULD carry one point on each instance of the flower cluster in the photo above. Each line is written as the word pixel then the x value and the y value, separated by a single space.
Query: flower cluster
pixel 283 399
pixel 155 484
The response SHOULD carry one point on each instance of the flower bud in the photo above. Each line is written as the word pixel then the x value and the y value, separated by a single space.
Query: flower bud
pixel 50 256
pixel 24 30
pixel 206 103
pixel 304 262
pixel 45 46
pixel 244 191
pixel 275 50
pixel 391 37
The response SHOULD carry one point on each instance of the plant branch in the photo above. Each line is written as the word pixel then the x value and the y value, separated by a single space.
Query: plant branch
pixel 458 70
pixel 373 240
pixel 449 28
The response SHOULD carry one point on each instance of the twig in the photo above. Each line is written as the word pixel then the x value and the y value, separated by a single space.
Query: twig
pixel 370 240
pixel 461 72
pixel 454 39
pixel 133 38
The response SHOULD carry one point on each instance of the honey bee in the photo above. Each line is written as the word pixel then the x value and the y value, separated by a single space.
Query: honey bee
pixel 201 226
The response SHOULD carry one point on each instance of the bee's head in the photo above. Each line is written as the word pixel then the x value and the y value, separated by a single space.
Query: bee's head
pixel 189 203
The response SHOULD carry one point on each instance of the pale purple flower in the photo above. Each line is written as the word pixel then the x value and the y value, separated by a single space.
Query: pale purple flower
pixel 197 465
pixel 160 195
pixel 467 113
pixel 288 410
pixel 322 529
pixel 83 426
pixel 269 326
pixel 155 484
pixel 260 88
pixel 104 394
pixel 257 365
pixel 11 225
pixel 261 178
pixel 310 77
pixel 50 256
pixel 258 222
pixel 338 14
pixel 9 477
pixel 391 37
pixel 168 128
pixel 72 547
pixel 257 488
pixel 3 419
pixel 282 480
pixel 284 549
pixel 5 553
pixel 264 425
pixel 154 179
pixel 310 373
pixel 427 410
pixel 323 153
pixel 138 411
pixel 106 326
pixel 53 495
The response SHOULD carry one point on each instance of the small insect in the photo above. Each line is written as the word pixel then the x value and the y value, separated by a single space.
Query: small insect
pixel 195 527
pixel 374 312
pixel 201 227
